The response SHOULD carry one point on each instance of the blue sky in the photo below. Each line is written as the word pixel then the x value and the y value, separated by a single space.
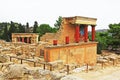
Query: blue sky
pixel 47 11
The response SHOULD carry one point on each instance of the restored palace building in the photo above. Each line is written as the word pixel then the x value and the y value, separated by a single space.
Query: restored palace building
pixel 70 44
pixel 25 37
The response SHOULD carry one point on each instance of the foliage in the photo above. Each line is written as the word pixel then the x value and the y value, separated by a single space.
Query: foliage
pixel 44 28
pixel 54 30
pixel 6 30
pixel 12 29
pixel 109 39
pixel 5 34
pixel 101 38
pixel 21 28
pixel 27 28
pixel 35 27
pixel 114 35
pixel 58 23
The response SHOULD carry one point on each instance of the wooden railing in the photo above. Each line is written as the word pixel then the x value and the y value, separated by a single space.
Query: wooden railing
pixel 44 64
pixel 21 61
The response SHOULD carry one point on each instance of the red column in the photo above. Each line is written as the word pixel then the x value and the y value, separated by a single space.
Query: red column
pixel 77 34
pixel 67 39
pixel 22 39
pixel 28 40
pixel 54 42
pixel 85 33
pixel 93 32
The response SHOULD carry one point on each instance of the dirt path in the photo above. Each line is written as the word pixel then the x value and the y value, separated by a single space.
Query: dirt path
pixel 108 73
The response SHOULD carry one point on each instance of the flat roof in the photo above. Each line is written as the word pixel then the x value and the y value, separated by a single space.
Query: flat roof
pixel 80 20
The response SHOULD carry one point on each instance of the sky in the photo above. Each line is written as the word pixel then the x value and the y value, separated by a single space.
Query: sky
pixel 47 11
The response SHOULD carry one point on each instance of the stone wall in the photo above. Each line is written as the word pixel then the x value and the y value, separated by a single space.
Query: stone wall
pixel 80 53
pixel 66 29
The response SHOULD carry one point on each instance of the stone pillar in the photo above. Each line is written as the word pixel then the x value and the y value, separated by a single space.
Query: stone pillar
pixel 77 34
pixel 93 32
pixel 22 39
pixel 13 39
pixel 28 40
pixel 85 33
pixel 31 39
pixel 18 39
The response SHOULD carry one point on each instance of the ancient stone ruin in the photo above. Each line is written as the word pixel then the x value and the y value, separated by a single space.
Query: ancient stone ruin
pixel 56 54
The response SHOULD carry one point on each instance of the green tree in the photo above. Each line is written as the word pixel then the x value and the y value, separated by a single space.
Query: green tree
pixel 27 27
pixel 54 30
pixel 101 38
pixel 35 27
pixel 6 30
pixel 4 26
pixel 114 36
pixel 21 28
pixel 43 28
pixel 5 33
pixel 58 22
pixel 12 29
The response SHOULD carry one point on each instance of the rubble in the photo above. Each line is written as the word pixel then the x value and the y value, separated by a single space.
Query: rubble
pixel 38 73
pixel 15 71
pixel 10 69
pixel 82 68
pixel 57 75
pixel 70 77
pixel 3 58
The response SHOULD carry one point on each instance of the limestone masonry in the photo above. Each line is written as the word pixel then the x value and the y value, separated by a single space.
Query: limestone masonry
pixel 70 44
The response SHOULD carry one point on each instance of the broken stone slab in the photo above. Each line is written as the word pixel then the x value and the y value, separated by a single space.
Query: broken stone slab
pixel 1 47
pixel 1 73
pixel 6 49
pixel 57 75
pixel 6 64
pixel 39 73
pixel 1 76
pixel 83 68
pixel 52 63
pixel 71 77
pixel 44 72
pixel 15 71
pixel 71 66
pixel 3 58
pixel 102 60
pixel 56 62
pixel 59 61
pixel 112 57
pixel 31 70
